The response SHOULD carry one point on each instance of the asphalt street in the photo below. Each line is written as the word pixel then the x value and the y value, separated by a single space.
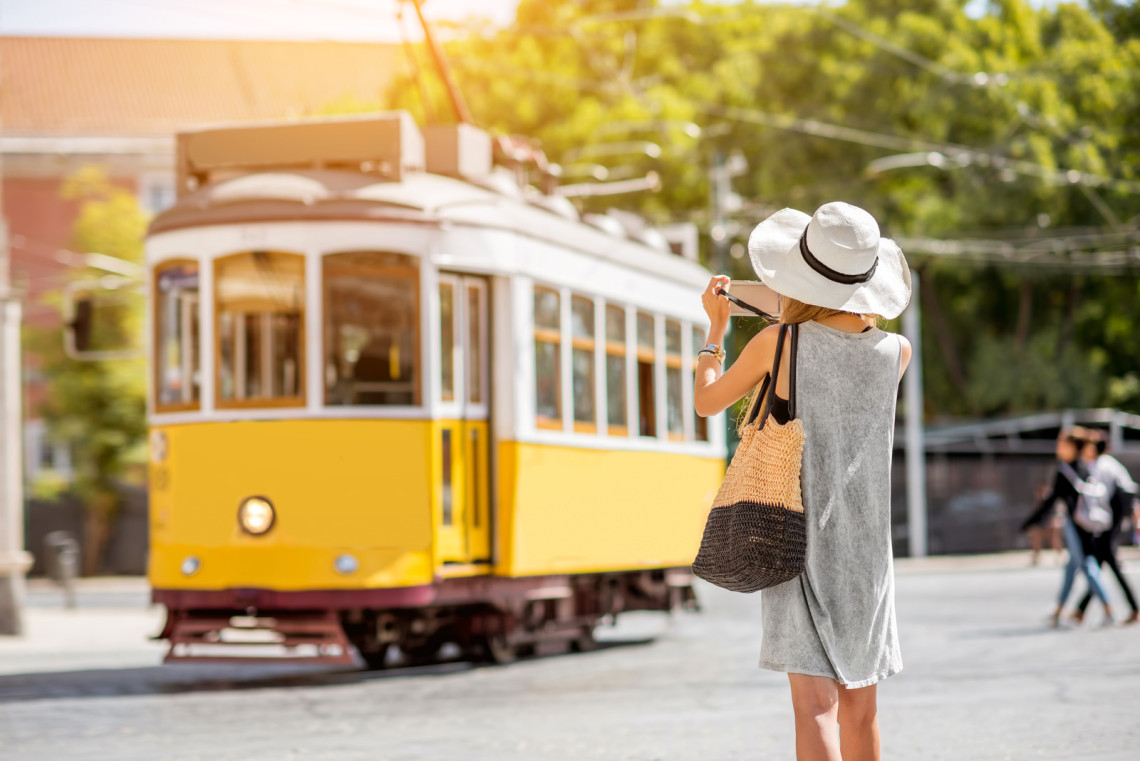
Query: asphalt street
pixel 984 678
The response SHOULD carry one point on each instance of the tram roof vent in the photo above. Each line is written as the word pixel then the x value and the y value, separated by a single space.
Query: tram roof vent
pixel 388 144
pixel 458 150
pixel 638 228
pixel 605 222
pixel 682 239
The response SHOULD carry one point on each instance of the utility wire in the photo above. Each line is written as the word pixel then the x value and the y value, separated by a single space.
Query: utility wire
pixel 961 154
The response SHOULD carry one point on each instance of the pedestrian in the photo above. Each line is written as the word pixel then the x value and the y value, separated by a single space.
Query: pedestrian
pixel 1072 475
pixel 1049 526
pixel 1122 499
pixel 832 629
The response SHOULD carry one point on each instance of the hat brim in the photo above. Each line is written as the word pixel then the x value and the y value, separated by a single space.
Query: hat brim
pixel 774 250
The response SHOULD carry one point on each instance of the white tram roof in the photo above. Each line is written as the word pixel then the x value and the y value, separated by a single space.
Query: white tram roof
pixel 419 198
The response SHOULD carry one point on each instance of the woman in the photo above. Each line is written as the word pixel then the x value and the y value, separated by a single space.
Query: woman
pixel 1072 472
pixel 1123 491
pixel 833 628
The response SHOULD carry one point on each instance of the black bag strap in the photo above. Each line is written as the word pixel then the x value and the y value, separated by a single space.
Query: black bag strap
pixel 795 330
pixel 767 395
pixel 773 377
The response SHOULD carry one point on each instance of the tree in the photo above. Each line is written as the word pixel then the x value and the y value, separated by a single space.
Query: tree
pixel 99 407
pixel 995 115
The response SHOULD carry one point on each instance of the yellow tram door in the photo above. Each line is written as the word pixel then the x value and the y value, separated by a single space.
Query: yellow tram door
pixel 463 450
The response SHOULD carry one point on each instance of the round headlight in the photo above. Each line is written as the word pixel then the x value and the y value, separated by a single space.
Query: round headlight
pixel 256 515
pixel 346 564
pixel 190 565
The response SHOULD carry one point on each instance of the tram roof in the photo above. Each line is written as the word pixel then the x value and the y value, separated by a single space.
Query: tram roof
pixel 419 198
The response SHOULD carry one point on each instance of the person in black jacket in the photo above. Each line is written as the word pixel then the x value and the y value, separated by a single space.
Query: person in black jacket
pixel 1078 541
pixel 1104 545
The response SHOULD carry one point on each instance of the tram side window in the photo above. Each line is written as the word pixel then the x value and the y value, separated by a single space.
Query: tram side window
pixel 615 371
pixel 701 424
pixel 547 362
pixel 177 368
pixel 674 405
pixel 582 362
pixel 371 328
pixel 646 396
pixel 260 299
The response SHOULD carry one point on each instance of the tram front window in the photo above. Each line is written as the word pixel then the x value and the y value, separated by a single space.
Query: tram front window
pixel 371 328
pixel 177 378
pixel 261 304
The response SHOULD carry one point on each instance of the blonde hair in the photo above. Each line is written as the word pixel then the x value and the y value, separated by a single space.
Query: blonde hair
pixel 795 312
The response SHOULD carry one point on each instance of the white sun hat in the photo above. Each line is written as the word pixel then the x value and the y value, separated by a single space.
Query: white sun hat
pixel 834 258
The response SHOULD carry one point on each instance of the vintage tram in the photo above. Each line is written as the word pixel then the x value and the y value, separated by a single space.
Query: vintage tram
pixel 400 398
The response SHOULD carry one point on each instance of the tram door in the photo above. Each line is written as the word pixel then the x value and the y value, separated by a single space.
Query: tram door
pixel 464 531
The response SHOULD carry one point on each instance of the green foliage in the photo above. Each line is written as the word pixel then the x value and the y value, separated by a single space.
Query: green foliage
pixel 99 407
pixel 1056 89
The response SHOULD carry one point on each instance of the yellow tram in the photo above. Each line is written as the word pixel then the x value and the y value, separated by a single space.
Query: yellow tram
pixel 399 398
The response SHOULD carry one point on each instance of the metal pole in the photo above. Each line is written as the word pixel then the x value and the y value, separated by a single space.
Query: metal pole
pixel 14 562
pixel 462 113
pixel 716 192
pixel 915 446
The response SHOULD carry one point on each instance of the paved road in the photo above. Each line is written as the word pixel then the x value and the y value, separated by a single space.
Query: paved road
pixel 984 679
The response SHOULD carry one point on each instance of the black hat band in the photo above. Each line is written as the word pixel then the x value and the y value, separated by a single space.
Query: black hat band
pixel 828 272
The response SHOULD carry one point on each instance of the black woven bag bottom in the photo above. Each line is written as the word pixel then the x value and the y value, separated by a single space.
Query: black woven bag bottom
pixel 750 546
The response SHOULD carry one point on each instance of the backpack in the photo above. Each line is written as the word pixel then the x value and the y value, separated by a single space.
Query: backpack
pixel 1094 512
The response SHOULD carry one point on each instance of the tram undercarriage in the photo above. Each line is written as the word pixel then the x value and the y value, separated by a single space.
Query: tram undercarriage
pixel 482 618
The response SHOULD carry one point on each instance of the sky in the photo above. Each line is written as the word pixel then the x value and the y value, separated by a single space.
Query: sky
pixel 345 20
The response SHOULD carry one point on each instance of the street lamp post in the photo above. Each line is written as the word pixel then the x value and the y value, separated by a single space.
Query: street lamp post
pixel 14 562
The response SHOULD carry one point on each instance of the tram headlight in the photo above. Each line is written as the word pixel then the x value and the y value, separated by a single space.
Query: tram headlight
pixel 346 564
pixel 256 515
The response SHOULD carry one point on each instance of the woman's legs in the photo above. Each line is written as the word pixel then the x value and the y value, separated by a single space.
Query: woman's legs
pixel 1092 572
pixel 815 701
pixel 1076 560
pixel 820 704
pixel 1114 564
pixel 859 724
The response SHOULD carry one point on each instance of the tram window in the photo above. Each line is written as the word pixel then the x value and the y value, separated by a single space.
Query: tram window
pixel 701 427
pixel 176 335
pixel 547 363
pixel 260 300
pixel 674 417
pixel 646 398
pixel 446 493
pixel 447 341
pixel 582 362
pixel 615 370
pixel 371 328
pixel 474 342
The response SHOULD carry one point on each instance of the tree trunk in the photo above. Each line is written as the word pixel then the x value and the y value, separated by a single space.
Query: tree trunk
pixel 1066 333
pixel 937 319
pixel 1024 314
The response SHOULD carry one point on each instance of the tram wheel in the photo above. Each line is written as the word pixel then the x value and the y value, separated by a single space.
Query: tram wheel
pixel 495 648
pixel 377 660
pixel 422 655
pixel 585 641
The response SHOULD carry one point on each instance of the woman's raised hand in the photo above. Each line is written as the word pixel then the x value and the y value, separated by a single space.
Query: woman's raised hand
pixel 716 306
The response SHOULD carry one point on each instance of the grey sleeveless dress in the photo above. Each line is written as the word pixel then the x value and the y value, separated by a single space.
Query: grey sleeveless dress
pixel 838 618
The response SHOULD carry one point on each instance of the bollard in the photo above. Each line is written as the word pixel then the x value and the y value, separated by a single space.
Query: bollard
pixel 63 562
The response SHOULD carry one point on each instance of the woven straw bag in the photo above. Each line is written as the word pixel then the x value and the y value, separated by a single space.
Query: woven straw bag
pixel 755 536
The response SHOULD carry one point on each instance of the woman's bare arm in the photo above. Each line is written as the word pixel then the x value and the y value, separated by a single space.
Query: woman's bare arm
pixel 904 360
pixel 715 390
